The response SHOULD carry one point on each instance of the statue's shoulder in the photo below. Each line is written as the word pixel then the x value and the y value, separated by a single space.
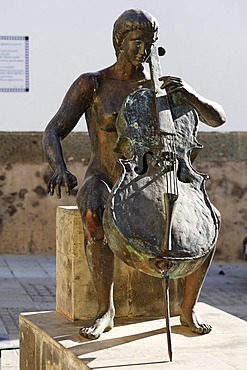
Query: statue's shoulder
pixel 86 80
pixel 91 80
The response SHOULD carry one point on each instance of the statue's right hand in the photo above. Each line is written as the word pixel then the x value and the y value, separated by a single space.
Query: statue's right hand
pixel 61 178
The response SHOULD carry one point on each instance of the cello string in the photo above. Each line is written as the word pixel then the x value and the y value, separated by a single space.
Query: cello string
pixel 166 160
pixel 170 160
pixel 174 166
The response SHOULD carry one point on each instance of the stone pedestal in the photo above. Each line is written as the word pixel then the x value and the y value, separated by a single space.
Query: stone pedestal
pixel 135 294
pixel 75 296
pixel 49 341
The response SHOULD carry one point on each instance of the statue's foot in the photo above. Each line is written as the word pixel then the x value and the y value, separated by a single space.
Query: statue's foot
pixel 191 319
pixel 100 324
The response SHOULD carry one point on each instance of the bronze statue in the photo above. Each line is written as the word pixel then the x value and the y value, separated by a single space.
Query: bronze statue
pixel 100 96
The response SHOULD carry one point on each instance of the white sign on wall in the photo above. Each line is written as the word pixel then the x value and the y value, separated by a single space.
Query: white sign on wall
pixel 14 63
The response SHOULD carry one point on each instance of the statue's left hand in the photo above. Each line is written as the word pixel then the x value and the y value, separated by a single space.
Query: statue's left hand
pixel 61 178
pixel 176 84
pixel 210 112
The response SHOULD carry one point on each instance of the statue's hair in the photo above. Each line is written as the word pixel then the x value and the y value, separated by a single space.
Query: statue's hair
pixel 131 20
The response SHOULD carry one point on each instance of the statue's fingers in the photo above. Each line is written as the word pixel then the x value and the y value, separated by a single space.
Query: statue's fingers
pixel 166 84
pixel 175 79
pixel 174 89
pixel 170 80
pixel 165 79
pixel 67 188
pixel 51 189
pixel 58 191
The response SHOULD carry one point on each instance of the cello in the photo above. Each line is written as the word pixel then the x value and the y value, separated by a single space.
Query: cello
pixel 158 218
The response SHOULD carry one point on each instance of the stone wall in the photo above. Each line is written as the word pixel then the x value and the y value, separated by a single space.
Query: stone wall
pixel 27 213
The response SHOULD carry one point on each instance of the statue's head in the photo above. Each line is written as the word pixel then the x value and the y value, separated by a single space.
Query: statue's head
pixel 131 20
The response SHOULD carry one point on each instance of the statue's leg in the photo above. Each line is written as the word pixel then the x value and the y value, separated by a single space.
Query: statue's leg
pixel 193 283
pixel 99 256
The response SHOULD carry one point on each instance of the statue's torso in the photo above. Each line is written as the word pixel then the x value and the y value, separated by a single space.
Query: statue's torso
pixel 109 94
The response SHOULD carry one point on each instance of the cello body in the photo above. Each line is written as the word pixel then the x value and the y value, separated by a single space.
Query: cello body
pixel 136 213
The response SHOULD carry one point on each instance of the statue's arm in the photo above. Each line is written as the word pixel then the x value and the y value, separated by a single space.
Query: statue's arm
pixel 75 103
pixel 209 112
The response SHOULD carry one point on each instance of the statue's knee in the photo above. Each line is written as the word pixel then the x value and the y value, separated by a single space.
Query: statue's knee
pixel 93 226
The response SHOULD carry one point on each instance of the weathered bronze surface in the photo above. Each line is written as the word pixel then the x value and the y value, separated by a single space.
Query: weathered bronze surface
pixel 100 96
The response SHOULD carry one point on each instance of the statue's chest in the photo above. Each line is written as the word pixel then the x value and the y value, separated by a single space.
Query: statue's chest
pixel 108 99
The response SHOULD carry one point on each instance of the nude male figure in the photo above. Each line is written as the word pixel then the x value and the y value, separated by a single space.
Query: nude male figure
pixel 99 96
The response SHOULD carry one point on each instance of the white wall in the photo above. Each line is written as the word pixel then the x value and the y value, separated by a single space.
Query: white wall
pixel 205 42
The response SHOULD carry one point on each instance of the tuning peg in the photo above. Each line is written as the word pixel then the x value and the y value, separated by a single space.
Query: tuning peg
pixel 161 51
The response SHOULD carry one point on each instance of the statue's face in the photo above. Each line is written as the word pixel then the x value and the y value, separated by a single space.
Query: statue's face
pixel 136 46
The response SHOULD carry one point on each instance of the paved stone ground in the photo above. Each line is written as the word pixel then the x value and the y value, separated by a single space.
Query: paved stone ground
pixel 226 288
pixel 27 283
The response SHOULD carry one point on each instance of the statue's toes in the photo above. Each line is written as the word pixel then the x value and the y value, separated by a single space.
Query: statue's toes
pixel 206 328
pixel 93 335
pixel 202 329
pixel 88 332
pixel 83 331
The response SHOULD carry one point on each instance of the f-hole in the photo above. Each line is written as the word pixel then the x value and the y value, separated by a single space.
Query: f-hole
pixel 142 164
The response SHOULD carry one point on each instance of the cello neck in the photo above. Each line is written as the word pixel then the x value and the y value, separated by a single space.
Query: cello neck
pixel 164 116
